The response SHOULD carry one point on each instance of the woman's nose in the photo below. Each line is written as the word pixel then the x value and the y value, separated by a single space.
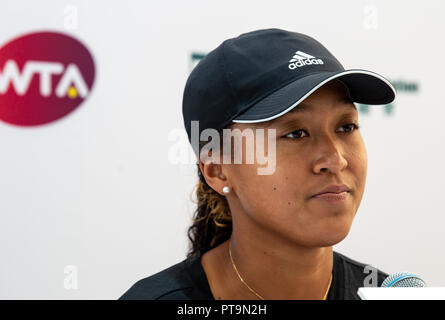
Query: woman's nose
pixel 329 158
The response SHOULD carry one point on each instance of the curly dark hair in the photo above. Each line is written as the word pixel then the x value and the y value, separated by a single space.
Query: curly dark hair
pixel 212 220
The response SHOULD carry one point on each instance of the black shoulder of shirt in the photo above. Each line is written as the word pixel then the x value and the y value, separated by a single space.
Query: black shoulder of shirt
pixel 352 275
pixel 187 280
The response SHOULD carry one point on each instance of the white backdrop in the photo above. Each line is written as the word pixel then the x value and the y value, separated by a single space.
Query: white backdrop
pixel 93 196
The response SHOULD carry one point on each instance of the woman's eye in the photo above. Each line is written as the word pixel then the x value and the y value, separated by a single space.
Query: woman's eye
pixel 294 134
pixel 297 134
pixel 351 126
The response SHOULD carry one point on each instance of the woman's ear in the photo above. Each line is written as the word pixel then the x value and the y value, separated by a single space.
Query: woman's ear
pixel 214 176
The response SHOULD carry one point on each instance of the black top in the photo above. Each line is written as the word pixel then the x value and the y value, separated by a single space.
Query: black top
pixel 187 280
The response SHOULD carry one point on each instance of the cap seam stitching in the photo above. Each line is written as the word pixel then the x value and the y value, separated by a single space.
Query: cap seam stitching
pixel 226 77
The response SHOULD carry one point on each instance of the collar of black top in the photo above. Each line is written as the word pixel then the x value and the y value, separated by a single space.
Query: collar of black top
pixel 260 75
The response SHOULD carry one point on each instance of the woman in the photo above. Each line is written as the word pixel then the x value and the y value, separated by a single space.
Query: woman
pixel 269 234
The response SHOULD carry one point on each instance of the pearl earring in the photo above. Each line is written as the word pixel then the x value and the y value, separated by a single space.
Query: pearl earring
pixel 226 189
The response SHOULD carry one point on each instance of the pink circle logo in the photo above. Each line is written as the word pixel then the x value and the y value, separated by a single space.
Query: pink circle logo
pixel 44 76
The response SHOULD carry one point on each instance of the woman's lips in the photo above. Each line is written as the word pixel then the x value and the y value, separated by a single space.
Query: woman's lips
pixel 332 197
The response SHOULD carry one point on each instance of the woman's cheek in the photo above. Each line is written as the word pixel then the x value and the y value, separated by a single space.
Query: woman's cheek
pixel 359 167
pixel 259 194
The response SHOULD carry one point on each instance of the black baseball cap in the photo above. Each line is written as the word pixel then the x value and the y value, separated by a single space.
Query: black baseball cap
pixel 261 75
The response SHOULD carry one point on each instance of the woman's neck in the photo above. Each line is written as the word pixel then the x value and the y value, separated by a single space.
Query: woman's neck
pixel 276 270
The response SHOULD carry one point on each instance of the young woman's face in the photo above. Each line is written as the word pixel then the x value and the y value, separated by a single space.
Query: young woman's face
pixel 315 148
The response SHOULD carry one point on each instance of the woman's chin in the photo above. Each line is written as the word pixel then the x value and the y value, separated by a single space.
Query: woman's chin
pixel 331 239
pixel 324 237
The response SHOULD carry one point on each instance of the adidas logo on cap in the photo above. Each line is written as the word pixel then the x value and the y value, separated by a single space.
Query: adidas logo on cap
pixel 301 59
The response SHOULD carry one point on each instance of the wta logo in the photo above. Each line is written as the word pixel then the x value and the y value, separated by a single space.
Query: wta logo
pixel 44 76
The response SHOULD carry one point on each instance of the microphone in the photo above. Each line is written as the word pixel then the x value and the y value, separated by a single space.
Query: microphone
pixel 407 286
pixel 403 279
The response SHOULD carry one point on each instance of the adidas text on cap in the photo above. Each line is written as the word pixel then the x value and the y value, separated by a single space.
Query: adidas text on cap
pixel 260 75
